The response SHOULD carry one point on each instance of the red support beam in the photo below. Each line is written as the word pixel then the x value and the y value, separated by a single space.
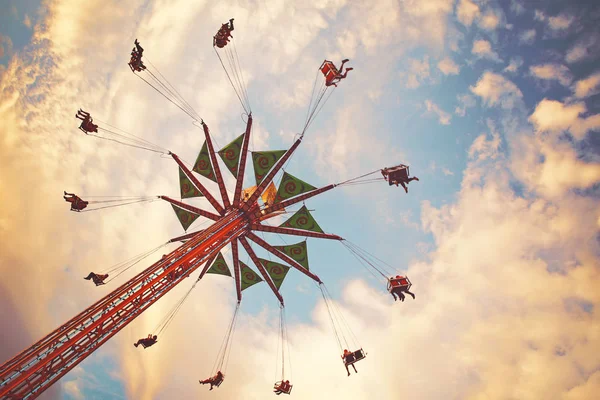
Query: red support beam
pixel 282 256
pixel 215 165
pixel 242 168
pixel 236 269
pixel 35 369
pixel 195 210
pixel 260 267
pixel 271 175
pixel 199 185
pixel 296 232
pixel 297 199
pixel 207 265
pixel 187 236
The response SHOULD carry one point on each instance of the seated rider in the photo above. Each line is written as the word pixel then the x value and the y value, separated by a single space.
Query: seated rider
pixel 400 289
pixel 76 203
pixel 222 37
pixel 138 48
pixel 136 63
pixel 98 279
pixel 282 387
pixel 348 358
pixel 338 76
pixel 146 342
pixel 214 380
pixel 87 124
pixel 398 175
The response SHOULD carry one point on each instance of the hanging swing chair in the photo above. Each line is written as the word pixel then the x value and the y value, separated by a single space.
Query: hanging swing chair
pixel 343 332
pixel 222 360
pixel 283 386
pixel 399 283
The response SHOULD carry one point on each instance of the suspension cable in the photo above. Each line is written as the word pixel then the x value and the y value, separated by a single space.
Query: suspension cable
pixel 126 265
pixel 166 321
pixel 231 81
pixel 123 204
pixel 223 354
pixel 335 331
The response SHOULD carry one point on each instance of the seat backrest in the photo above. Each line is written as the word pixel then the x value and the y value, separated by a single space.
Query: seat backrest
pixel 359 354
pixel 329 70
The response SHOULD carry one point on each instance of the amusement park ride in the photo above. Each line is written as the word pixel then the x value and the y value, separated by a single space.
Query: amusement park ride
pixel 236 221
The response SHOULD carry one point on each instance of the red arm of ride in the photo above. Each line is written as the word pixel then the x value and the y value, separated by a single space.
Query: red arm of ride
pixel 282 256
pixel 193 209
pixel 199 185
pixel 187 236
pixel 297 199
pixel 271 174
pixel 242 168
pixel 296 232
pixel 207 265
pixel 236 269
pixel 215 164
pixel 262 270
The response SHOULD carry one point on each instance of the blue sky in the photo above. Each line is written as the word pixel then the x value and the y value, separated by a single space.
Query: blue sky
pixel 494 105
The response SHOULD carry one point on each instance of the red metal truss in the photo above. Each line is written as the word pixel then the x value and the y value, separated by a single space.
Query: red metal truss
pixel 260 267
pixel 282 256
pixel 236 269
pixel 192 209
pixel 215 165
pixel 296 232
pixel 199 185
pixel 267 179
pixel 32 371
pixel 242 166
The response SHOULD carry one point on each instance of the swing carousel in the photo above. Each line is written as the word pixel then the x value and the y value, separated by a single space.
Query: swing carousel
pixel 235 223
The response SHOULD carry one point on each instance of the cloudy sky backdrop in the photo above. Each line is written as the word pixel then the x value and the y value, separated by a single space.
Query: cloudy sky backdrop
pixel 494 105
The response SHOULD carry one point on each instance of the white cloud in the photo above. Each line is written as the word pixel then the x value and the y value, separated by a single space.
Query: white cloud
pixel 6 45
pixel 491 19
pixel 418 72
pixel 586 48
pixel 556 72
pixel 576 53
pixel 443 117
pixel 27 21
pixel 73 390
pixel 494 89
pixel 448 67
pixel 483 49
pixel 539 15
pixel 467 12
pixel 447 172
pixel 588 86
pixel 464 101
pixel 560 22
pixel 556 117
pixel 516 7
pixel 527 37
pixel 514 65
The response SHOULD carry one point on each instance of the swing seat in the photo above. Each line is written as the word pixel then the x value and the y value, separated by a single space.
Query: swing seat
pixel 398 174
pixel 218 381
pixel 329 70
pixel 281 387
pixel 354 357
pixel 403 283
